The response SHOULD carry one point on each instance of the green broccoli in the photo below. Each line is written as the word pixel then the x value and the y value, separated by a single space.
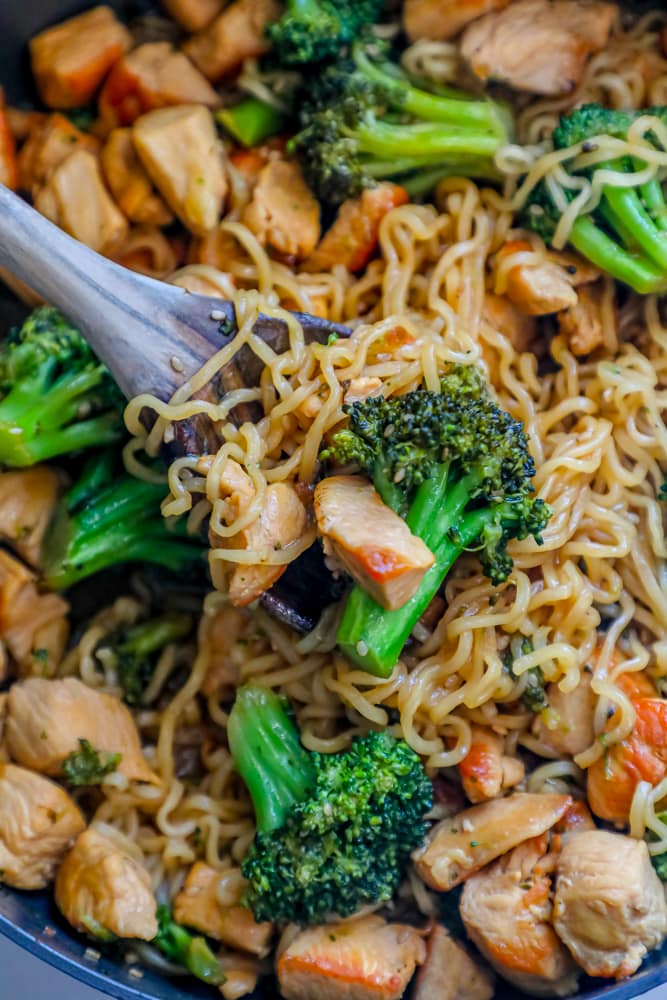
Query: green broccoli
pixel 457 468
pixel 659 861
pixel 251 121
pixel 310 31
pixel 135 650
pixel 334 831
pixel 88 766
pixel 55 396
pixel 107 519
pixel 364 119
pixel 626 235
pixel 193 953
pixel 534 695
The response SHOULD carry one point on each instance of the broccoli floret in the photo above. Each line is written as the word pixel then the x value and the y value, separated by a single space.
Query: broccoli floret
pixel 534 695
pixel 456 466
pixel 136 650
pixel 364 119
pixel 55 396
pixel 313 30
pixel 88 766
pixel 107 519
pixel 334 831
pixel 192 952
pixel 626 235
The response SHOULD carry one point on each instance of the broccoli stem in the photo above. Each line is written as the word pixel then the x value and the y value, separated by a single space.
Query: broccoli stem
pixel 627 207
pixel 605 253
pixel 268 754
pixel 192 952
pixel 420 140
pixel 251 121
pixel 148 637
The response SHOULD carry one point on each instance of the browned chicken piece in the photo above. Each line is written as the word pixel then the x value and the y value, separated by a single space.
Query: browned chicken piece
pixel 27 500
pixel 9 171
pixel 449 973
pixel 582 324
pixel 568 728
pixel 502 315
pixel 536 45
pixel 193 15
pixel 506 910
pixel 363 387
pixel 537 289
pixel 459 846
pixel 23 123
pixel 609 906
pixel 364 959
pixel 70 60
pixel 4 754
pixel 183 156
pixel 353 238
pixel 235 35
pixel 47 718
pixel 33 627
pixel 226 652
pixel 50 143
pixel 485 770
pixel 372 543
pixel 129 183
pixel 100 890
pixel 198 905
pixel 147 250
pixel 38 824
pixel 283 213
pixel 76 199
pixel 439 20
pixel 579 270
pixel 152 76
pixel 241 976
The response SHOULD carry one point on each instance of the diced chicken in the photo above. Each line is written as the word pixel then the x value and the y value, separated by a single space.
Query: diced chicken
pixel 27 501
pixel 199 905
pixel 371 542
pixel 502 315
pixel 33 626
pixel 507 910
pixel 353 237
pixel 23 123
pixel 147 250
pixel 76 199
pixel 38 825
pixel 568 728
pixel 9 172
pixel 439 20
pixel 182 154
pixel 70 61
pixel 462 844
pixel 364 959
pixel 152 76
pixel 100 890
pixel 282 213
pixel 579 270
pixel 235 35
pixel 47 718
pixel 485 770
pixel 538 289
pixel 241 976
pixel 363 387
pixel 226 653
pixel 4 754
pixel 582 324
pixel 49 144
pixel 449 973
pixel 536 45
pixel 193 15
pixel 609 907
pixel 129 183
pixel 576 819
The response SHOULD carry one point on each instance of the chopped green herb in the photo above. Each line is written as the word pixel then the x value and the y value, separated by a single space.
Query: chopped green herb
pixel 88 766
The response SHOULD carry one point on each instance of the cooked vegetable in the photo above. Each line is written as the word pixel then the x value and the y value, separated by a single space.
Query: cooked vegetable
pixel 335 831
pixel 457 467
pixel 137 649
pixel 312 30
pixel 88 766
pixel 56 397
pixel 251 121
pixel 192 952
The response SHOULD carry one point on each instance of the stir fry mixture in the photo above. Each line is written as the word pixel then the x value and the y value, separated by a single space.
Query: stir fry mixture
pixel 345 669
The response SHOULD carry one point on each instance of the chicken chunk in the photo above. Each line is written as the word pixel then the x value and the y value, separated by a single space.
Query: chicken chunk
pixel 283 214
pixel 439 20
pixel 582 325
pixel 100 890
pixel 536 45
pixel 506 910
pixel 235 35
pixel 33 627
pixel 353 238
pixel 462 844
pixel 183 156
pixel 568 729
pixel 27 500
pixel 38 825
pixel 152 76
pixel 485 770
pixel 226 649
pixel 505 317
pixel 129 183
pixel 50 143
pixel 76 199
pixel 538 289
pixel 372 543
pixel 47 718
pixel 609 906
pixel 9 172
pixel 70 60
pixel 193 15
pixel 449 973
pixel 147 250
pixel 199 905
pixel 364 959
